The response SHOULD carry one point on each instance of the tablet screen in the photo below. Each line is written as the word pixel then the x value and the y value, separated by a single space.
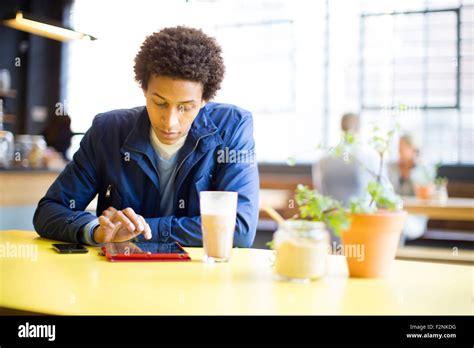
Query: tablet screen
pixel 161 248
pixel 129 248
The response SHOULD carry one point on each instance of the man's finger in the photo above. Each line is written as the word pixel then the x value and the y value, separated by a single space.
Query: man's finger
pixel 109 234
pixel 109 212
pixel 147 231
pixel 117 228
pixel 120 217
pixel 134 218
pixel 105 222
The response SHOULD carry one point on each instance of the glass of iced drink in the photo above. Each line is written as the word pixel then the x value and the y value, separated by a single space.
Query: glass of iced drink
pixel 218 218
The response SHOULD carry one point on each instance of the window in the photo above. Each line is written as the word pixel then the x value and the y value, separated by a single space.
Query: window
pixel 410 58
pixel 255 54
pixel 298 66
pixel 422 60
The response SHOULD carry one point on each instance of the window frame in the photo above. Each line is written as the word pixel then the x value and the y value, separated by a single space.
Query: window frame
pixel 364 16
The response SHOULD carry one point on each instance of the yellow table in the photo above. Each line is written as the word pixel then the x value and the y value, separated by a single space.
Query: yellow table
pixel 46 282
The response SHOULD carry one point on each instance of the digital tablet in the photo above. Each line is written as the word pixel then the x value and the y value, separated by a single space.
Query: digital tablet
pixel 145 251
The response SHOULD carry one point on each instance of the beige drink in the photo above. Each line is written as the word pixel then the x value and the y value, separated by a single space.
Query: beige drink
pixel 218 218
pixel 218 235
pixel 301 250
pixel 297 260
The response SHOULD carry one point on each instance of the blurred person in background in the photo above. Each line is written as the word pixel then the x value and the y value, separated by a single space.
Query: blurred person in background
pixel 401 175
pixel 400 172
pixel 346 178
pixel 58 134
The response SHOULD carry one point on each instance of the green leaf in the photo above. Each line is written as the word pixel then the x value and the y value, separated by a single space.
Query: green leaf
pixel 383 197
pixel 338 150
pixel 349 138
pixel 316 207
pixel 338 221
pixel 270 244
pixel 360 206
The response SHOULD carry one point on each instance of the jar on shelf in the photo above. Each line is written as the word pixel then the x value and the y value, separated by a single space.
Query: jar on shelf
pixel 6 143
pixel 301 250
pixel 5 80
pixel 37 152
pixel 441 190
pixel 23 145
pixel 6 149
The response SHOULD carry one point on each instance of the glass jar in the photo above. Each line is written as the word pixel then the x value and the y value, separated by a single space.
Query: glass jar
pixel 22 150
pixel 6 143
pixel 441 192
pixel 5 80
pixel 37 152
pixel 301 250
pixel 30 151
pixel 6 148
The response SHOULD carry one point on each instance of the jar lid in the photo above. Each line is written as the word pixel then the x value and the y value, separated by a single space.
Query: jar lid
pixel 23 137
pixel 304 224
pixel 304 228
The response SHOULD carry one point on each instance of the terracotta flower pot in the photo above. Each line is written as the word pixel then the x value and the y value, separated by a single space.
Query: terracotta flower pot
pixel 424 191
pixel 371 242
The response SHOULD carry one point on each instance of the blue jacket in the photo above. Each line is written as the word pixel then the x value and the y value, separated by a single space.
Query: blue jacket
pixel 117 161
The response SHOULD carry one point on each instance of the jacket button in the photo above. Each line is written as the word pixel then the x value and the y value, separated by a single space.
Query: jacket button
pixel 165 233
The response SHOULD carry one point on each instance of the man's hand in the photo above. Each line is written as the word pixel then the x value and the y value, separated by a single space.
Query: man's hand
pixel 120 226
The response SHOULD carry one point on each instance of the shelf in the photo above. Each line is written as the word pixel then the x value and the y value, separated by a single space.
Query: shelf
pixel 9 118
pixel 8 94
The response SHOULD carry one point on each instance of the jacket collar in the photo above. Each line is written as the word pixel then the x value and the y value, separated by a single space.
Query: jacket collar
pixel 202 137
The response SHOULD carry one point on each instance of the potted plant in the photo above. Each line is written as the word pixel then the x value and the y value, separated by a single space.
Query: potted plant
pixel 370 228
pixel 428 185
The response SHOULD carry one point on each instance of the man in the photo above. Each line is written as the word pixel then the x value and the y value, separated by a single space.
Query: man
pixel 148 164
pixel 347 177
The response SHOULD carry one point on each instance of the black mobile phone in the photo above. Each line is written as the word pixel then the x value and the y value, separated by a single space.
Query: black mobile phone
pixel 70 248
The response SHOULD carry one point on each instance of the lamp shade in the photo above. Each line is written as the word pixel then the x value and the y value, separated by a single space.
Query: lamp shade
pixel 45 28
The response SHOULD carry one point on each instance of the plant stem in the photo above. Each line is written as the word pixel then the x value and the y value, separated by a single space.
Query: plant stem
pixel 365 167
pixel 379 175
pixel 329 210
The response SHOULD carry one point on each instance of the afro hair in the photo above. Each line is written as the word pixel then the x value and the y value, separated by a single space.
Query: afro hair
pixel 182 53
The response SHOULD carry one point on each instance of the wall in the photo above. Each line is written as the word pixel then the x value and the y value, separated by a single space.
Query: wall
pixel 34 63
